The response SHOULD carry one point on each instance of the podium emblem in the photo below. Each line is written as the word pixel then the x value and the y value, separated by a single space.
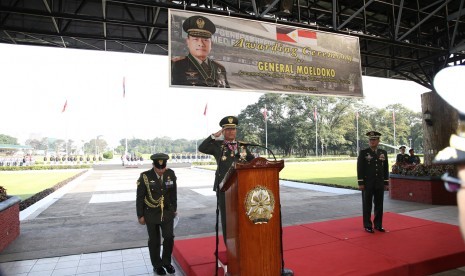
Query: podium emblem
pixel 259 205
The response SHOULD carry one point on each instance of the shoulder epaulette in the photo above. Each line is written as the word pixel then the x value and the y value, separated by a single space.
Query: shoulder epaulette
pixel 177 59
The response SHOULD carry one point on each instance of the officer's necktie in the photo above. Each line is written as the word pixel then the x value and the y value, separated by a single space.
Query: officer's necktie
pixel 206 68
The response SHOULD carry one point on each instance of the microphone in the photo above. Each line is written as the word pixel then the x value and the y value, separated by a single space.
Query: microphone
pixel 256 145
pixel 249 144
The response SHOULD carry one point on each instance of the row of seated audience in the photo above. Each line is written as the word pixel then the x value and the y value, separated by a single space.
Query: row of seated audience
pixel 407 159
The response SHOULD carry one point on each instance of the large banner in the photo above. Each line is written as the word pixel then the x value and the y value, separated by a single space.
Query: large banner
pixel 224 52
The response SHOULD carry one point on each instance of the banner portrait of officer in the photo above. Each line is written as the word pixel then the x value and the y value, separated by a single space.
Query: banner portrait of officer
pixel 197 69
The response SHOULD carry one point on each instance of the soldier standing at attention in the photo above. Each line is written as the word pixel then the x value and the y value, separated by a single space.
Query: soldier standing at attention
pixel 373 180
pixel 156 205
pixel 197 69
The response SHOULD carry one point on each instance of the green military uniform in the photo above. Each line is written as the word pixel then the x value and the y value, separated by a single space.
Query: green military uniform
pixel 225 155
pixel 157 202
pixel 402 157
pixel 188 71
pixel 412 158
pixel 192 71
pixel 373 173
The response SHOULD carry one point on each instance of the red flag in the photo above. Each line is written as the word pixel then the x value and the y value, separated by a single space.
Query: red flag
pixel 307 37
pixel 265 113
pixel 64 106
pixel 124 87
pixel 205 110
pixel 315 114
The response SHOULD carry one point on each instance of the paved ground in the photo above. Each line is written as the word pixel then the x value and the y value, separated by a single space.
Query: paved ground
pixel 89 227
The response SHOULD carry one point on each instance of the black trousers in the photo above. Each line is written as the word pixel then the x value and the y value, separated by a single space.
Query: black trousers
pixel 154 244
pixel 373 194
pixel 222 203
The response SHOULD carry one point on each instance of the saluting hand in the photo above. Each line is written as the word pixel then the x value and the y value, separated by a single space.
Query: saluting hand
pixel 142 220
pixel 218 133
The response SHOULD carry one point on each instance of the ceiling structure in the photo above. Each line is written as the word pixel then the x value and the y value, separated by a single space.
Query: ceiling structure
pixel 402 39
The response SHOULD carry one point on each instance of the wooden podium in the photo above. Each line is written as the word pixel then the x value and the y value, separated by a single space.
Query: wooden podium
pixel 253 218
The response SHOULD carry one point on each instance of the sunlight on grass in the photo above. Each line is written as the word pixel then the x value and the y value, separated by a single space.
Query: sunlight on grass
pixel 25 184
pixel 341 173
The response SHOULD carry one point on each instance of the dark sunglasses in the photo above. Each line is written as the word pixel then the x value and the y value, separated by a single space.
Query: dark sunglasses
pixel 451 184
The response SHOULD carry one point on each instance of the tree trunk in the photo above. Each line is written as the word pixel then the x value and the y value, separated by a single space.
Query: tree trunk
pixel 444 122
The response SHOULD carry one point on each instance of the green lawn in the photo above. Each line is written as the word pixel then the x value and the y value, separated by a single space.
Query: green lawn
pixel 341 173
pixel 27 183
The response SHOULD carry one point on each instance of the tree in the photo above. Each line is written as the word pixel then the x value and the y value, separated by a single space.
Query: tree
pixel 95 146
pixel 6 139
pixel 59 146
pixel 35 144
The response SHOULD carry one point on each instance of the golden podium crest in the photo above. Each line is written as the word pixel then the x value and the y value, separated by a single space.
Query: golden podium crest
pixel 259 205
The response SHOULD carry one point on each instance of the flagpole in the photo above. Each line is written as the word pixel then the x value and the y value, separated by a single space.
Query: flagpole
pixel 394 123
pixel 358 147
pixel 266 130
pixel 66 128
pixel 206 118
pixel 315 116
pixel 125 132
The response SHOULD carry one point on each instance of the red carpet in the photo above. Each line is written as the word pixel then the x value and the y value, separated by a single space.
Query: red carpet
pixel 340 247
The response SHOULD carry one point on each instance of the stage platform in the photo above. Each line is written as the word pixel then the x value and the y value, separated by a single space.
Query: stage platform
pixel 411 246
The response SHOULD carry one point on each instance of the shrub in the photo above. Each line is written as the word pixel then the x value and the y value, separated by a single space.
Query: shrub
pixel 44 167
pixel 423 170
pixel 3 195
pixel 108 155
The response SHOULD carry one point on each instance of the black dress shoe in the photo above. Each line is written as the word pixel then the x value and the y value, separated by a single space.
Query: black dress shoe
pixel 380 229
pixel 170 269
pixel 369 230
pixel 160 271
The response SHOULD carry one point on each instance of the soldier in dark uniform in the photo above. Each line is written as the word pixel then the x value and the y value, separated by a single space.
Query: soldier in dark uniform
pixel 226 151
pixel 402 157
pixel 196 69
pixel 373 180
pixel 413 159
pixel 156 205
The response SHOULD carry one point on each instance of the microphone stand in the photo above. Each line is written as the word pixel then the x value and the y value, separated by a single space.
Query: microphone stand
pixel 284 271
pixel 216 224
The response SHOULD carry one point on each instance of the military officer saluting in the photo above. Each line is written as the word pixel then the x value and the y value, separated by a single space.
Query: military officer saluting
pixel 156 205
pixel 226 150
pixel 373 180
pixel 196 69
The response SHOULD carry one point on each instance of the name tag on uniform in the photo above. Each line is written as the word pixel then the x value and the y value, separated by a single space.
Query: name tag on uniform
pixel 169 183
